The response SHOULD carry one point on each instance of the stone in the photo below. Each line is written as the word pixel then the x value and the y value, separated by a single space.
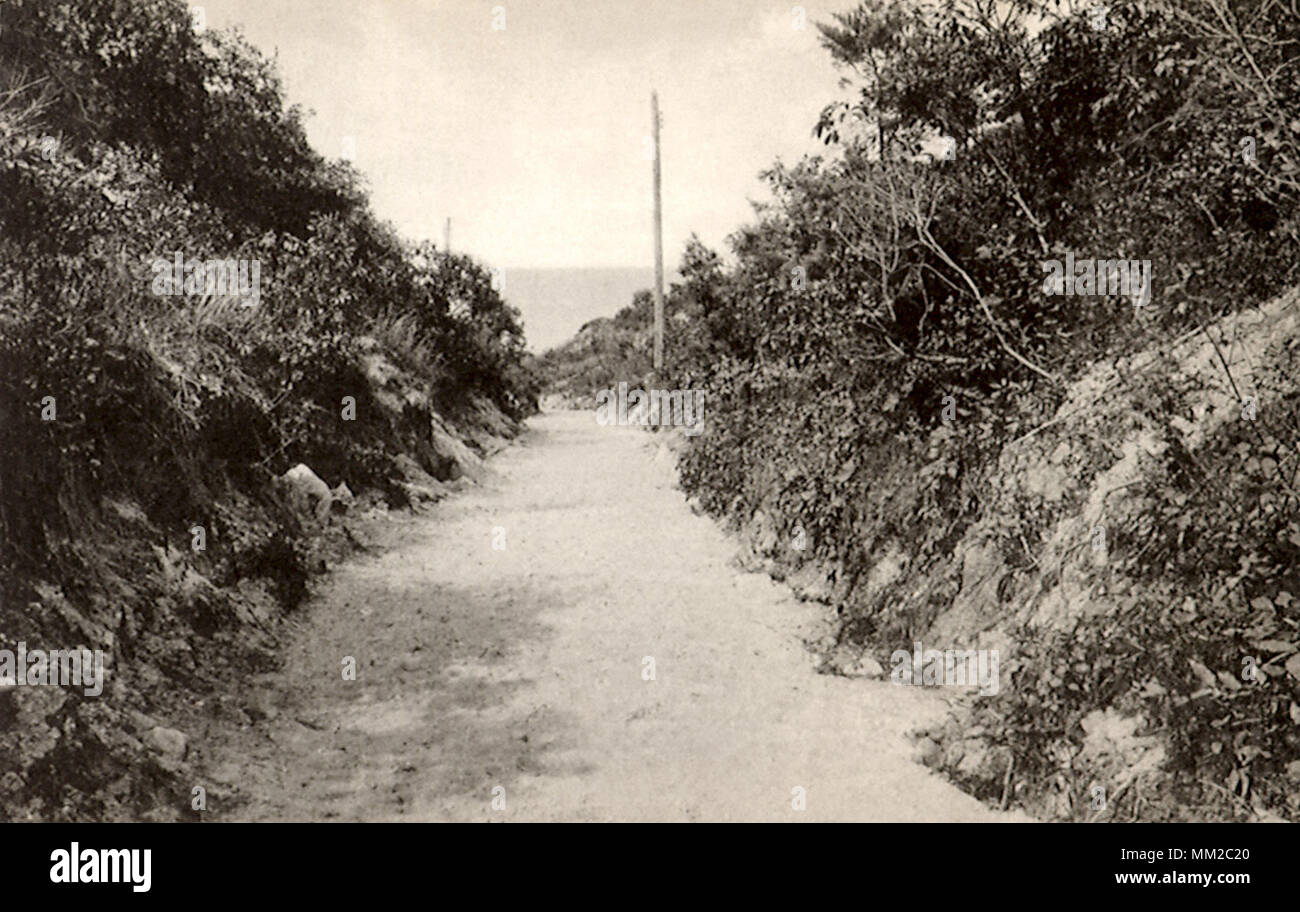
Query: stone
pixel 865 667
pixel 341 498
pixel 168 743
pixel 851 662
pixel 928 751
pixel 307 491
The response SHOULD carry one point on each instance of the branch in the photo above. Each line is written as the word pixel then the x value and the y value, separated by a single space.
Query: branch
pixel 923 231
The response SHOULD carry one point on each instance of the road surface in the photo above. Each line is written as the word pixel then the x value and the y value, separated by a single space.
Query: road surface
pixel 568 641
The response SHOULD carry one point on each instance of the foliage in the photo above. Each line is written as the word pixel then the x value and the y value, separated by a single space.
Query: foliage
pixel 129 416
pixel 881 330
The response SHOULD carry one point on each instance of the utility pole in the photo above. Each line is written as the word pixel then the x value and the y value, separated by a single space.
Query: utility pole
pixel 446 236
pixel 659 243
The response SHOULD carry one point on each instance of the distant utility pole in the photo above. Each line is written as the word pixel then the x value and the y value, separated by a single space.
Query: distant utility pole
pixel 659 243
pixel 446 236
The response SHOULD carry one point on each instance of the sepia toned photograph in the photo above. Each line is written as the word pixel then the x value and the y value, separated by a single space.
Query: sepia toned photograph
pixel 607 411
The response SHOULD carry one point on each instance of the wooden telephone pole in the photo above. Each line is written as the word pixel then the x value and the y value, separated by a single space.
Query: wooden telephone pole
pixel 446 236
pixel 659 242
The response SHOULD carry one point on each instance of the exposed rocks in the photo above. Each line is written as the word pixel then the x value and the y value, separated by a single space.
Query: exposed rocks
pixel 928 751
pixel 307 492
pixel 463 461
pixel 341 499
pixel 419 485
pixel 174 635
pixel 168 743
pixel 850 661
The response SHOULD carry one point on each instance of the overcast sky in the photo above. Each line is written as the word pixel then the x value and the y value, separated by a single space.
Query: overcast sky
pixel 533 139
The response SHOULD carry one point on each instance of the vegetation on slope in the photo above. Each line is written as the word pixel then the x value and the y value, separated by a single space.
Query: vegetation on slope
pixel 130 419
pixel 879 353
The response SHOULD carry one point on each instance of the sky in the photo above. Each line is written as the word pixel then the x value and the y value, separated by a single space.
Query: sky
pixel 534 138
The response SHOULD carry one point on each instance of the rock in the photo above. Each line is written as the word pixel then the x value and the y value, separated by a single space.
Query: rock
pixel 141 721
pixel 851 662
pixel 418 484
pixel 460 459
pixel 341 498
pixel 409 468
pixel 865 667
pixel 168 743
pixel 307 491
pixel 489 416
pixel 433 491
pixel 928 751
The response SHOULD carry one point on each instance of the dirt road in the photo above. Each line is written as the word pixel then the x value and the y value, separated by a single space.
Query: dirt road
pixel 606 663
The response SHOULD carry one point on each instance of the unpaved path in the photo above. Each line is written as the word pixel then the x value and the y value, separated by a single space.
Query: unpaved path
pixel 520 673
